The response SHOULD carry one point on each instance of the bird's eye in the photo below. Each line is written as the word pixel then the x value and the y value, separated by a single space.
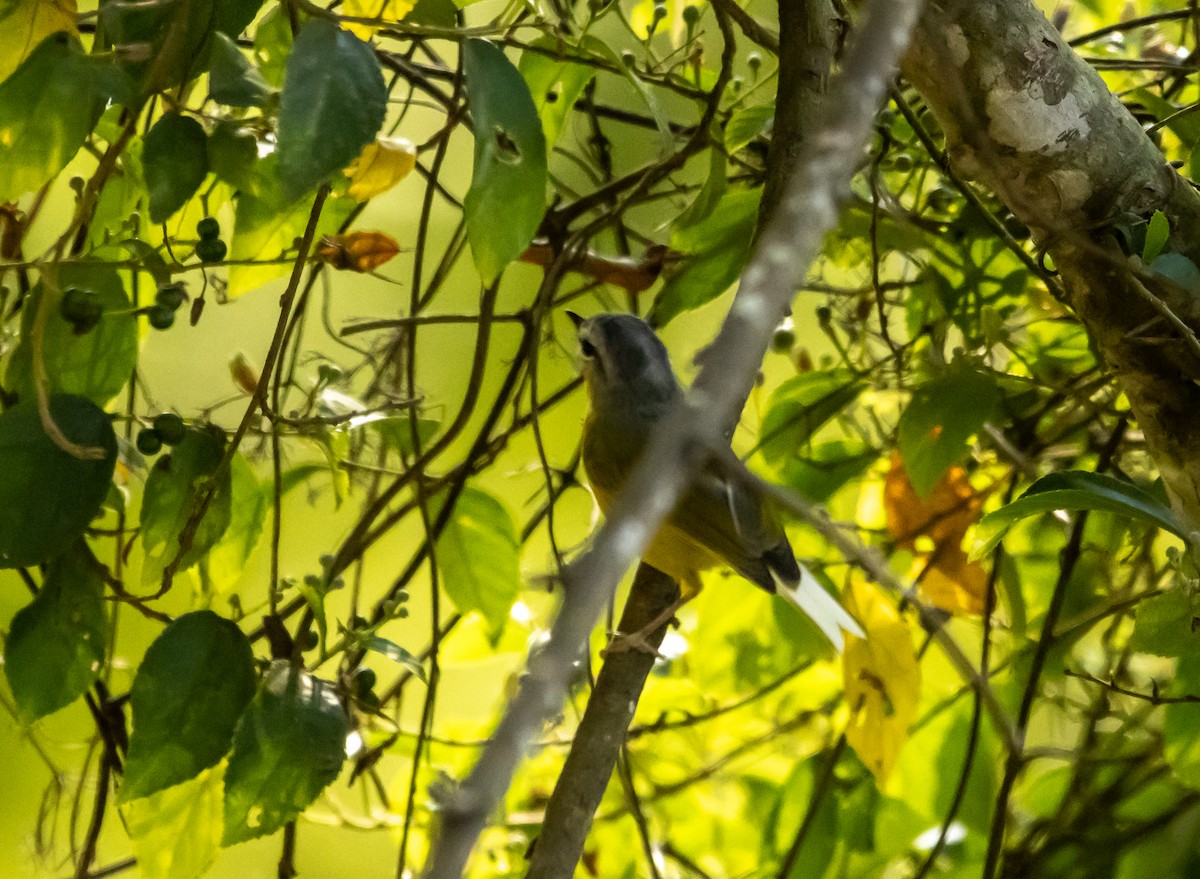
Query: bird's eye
pixel 588 349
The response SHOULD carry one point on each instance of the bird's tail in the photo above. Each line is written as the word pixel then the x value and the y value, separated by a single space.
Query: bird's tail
pixel 820 607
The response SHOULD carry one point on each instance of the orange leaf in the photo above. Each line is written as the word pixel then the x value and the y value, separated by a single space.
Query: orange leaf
pixel 953 583
pixel 951 508
pixel 357 251
pixel 883 680
pixel 243 372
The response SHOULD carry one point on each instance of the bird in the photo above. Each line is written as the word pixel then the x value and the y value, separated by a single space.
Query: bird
pixel 724 517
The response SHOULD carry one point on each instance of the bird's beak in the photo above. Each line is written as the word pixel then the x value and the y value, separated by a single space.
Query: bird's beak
pixel 575 319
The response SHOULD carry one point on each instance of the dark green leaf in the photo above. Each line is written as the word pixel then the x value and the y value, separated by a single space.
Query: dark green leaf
pixel 940 418
pixel 160 44
pixel 795 799
pixel 333 104
pixel 175 156
pixel 192 686
pixel 716 249
pixel 1165 625
pixel 396 653
pixel 172 488
pixel 799 407
pixel 289 746
pixel 47 110
pixel 56 643
pixel 478 555
pixel 48 496
pixel 435 13
pixel 232 152
pixel 232 79
pixel 555 82
pixel 509 175
pixel 234 16
pixel 1076 490
pixel 96 364
pixel 1158 230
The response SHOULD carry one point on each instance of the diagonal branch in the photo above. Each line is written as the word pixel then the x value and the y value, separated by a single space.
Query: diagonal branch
pixel 785 249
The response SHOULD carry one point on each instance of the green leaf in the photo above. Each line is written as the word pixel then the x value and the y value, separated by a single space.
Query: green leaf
pixel 232 153
pixel 710 194
pixel 666 140
pixel 716 249
pixel 1157 232
pixel 478 557
pixel 48 496
pixel 396 431
pixel 160 45
pixel 509 176
pixel 819 469
pixel 1181 745
pixel 555 82
pixel 55 645
pixel 746 124
pixel 333 103
pixel 272 45
pixel 192 686
pixel 791 809
pixel 47 110
pixel 176 833
pixel 232 79
pixel 1165 625
pixel 396 653
pixel 1075 490
pixel 435 13
pixel 249 502
pixel 940 418
pixel 289 746
pixel 172 489
pixel 799 407
pixel 95 365
pixel 175 157
pixel 234 16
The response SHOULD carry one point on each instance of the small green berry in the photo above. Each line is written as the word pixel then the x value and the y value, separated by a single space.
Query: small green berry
pixel 208 229
pixel 81 308
pixel 160 317
pixel 782 340
pixel 211 249
pixel 364 680
pixel 170 427
pixel 902 162
pixel 691 15
pixel 307 640
pixel 171 295
pixel 148 441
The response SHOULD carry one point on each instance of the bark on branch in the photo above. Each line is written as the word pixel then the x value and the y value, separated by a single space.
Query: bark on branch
pixel 1028 117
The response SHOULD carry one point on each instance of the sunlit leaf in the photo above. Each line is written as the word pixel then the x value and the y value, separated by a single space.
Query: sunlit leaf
pixel 289 746
pixel 883 680
pixel 509 175
pixel 174 485
pixel 190 690
pixel 56 643
pixel 176 832
pixel 250 501
pixel 47 495
pixel 477 555
pixel 1157 232
pixel 1181 745
pixel 799 407
pixel 47 110
pixel 333 103
pixel 747 124
pixel 380 166
pixel 714 252
pixel 396 653
pixel 1166 625
pixel 555 82
pixel 385 11
pixel 25 23
pixel 818 470
pixel 939 419
pixel 1076 490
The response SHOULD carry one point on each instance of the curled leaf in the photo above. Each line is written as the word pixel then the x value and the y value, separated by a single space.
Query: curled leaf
pixel 357 251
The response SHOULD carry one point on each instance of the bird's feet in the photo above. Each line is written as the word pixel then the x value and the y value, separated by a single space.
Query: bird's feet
pixel 619 642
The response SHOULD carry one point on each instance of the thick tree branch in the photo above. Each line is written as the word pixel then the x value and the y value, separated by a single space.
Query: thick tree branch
pixel 601 733
pixel 784 250
pixel 1027 116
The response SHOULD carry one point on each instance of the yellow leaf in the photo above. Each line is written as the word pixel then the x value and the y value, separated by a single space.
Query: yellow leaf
pixel 380 166
pixel 953 582
pixel 883 680
pixel 26 23
pixel 384 11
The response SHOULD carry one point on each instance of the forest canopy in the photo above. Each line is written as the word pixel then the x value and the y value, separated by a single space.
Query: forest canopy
pixel 299 569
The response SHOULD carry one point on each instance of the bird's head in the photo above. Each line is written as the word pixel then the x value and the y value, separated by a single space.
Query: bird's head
pixel 624 364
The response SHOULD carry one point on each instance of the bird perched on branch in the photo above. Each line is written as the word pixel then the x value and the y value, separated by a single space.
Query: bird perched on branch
pixel 724 518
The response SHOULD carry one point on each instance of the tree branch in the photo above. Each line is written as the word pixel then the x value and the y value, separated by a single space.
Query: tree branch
pixel 785 249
